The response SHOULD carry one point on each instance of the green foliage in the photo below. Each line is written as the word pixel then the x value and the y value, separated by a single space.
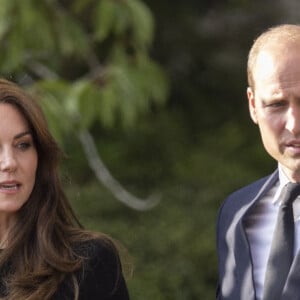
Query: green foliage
pixel 142 22
pixel 51 92
pixel 129 92
pixel 71 38
pixel 104 19
pixel 173 245
pixel 89 62
pixel 47 40
pixel 122 17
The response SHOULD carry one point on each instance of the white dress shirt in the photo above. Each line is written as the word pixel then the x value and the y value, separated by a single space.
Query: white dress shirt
pixel 260 227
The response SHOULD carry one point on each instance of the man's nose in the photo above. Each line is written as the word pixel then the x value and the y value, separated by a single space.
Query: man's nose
pixel 293 119
pixel 8 161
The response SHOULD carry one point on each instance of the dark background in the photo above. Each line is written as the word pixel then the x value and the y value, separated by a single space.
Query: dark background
pixel 196 150
pixel 193 151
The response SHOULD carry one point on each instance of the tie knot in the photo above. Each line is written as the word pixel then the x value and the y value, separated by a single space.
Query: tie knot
pixel 290 192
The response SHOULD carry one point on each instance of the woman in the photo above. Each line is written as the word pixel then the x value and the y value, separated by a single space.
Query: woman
pixel 45 253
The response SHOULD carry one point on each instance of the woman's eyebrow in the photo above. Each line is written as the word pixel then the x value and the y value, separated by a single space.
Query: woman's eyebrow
pixel 19 135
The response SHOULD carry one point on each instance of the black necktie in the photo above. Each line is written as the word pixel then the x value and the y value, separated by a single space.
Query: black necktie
pixel 282 248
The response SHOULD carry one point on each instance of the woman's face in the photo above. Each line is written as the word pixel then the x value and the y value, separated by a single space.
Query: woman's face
pixel 18 160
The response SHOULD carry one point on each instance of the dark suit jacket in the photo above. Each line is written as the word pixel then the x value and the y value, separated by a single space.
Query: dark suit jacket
pixel 234 259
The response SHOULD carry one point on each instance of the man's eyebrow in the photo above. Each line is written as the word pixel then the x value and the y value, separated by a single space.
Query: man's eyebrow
pixel 19 135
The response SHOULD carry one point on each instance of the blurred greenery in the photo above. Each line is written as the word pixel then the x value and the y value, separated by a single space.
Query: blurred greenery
pixel 160 85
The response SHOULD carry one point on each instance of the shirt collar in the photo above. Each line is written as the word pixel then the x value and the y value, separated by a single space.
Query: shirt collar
pixel 283 180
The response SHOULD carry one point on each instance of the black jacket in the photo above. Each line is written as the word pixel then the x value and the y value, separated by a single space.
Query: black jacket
pixel 101 277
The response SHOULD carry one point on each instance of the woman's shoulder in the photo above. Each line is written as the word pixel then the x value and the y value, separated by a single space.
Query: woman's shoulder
pixel 101 273
pixel 96 247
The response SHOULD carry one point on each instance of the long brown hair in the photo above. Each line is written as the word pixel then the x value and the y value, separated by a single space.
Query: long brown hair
pixel 40 247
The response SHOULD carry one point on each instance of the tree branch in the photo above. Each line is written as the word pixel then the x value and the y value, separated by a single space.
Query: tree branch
pixel 102 173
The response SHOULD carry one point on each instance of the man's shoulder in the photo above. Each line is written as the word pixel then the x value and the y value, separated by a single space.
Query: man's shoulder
pixel 243 196
pixel 248 191
pixel 236 204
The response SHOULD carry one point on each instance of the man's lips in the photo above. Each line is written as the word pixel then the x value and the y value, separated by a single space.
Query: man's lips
pixel 295 144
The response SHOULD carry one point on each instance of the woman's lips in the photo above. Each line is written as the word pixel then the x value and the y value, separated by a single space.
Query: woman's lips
pixel 9 186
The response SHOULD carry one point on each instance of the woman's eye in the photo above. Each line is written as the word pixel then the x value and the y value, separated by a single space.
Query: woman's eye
pixel 23 146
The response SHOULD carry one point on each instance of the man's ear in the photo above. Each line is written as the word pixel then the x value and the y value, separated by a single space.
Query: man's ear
pixel 252 105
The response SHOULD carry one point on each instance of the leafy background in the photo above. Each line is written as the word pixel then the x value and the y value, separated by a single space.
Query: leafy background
pixel 160 87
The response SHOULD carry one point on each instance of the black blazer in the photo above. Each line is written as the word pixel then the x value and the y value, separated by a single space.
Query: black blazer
pixel 234 260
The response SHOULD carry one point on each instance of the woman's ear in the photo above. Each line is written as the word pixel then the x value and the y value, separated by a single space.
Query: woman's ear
pixel 252 105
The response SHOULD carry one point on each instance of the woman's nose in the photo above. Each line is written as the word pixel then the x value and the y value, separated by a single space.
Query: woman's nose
pixel 8 161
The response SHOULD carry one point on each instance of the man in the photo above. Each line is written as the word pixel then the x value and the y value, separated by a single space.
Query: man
pixel 247 218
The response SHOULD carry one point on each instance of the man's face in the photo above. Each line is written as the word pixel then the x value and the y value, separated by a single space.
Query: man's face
pixel 274 105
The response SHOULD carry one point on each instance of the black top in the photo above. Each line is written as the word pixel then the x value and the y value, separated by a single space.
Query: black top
pixel 100 278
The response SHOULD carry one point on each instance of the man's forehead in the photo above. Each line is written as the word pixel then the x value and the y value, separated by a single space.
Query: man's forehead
pixel 281 63
pixel 264 64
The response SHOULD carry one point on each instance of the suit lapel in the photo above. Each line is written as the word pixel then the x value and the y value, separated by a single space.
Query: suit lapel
pixel 242 248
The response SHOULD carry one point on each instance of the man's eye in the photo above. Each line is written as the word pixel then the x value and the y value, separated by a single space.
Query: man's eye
pixel 276 104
